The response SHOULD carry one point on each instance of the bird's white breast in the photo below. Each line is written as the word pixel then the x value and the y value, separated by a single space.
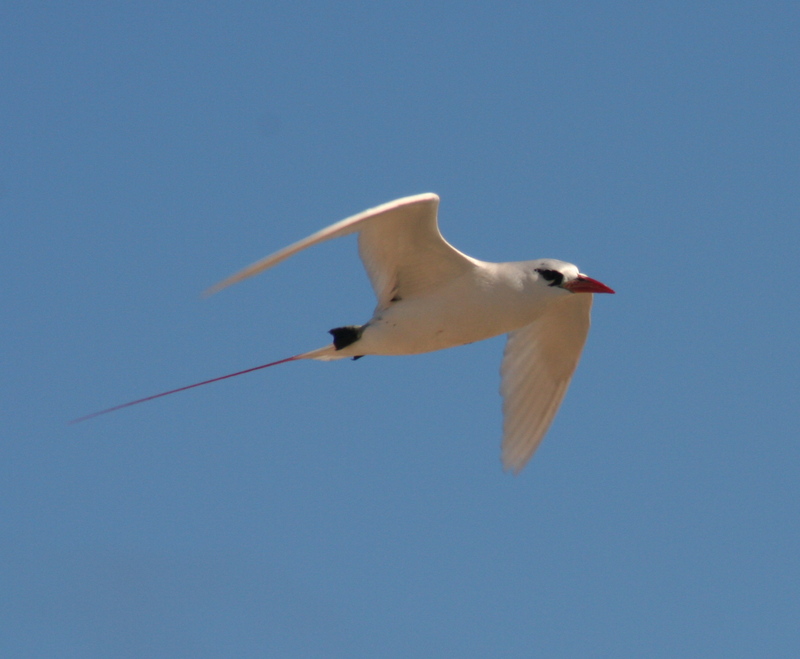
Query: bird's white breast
pixel 489 300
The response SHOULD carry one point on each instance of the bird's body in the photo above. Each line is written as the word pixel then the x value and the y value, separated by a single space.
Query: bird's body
pixel 432 297
pixel 487 300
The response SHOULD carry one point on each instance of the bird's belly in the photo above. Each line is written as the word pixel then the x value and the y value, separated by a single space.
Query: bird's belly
pixel 425 325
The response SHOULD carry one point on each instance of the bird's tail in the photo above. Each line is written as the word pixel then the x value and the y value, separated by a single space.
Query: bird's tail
pixel 324 354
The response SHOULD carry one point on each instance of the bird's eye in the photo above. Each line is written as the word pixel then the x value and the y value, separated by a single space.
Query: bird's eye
pixel 553 276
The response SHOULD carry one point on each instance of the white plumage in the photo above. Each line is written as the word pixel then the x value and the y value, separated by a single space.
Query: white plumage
pixel 431 297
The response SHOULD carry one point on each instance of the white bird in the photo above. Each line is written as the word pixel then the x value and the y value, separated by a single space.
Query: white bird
pixel 432 297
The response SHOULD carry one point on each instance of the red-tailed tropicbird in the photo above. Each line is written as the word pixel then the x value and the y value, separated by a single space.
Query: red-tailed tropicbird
pixel 432 297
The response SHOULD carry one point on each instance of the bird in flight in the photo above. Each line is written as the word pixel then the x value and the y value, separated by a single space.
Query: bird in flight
pixel 432 296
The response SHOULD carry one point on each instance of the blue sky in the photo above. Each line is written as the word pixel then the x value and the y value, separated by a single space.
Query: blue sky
pixel 359 508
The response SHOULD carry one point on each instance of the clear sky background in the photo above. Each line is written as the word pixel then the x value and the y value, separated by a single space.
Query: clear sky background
pixel 359 509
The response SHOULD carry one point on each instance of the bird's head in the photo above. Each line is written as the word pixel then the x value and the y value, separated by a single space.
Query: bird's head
pixel 563 275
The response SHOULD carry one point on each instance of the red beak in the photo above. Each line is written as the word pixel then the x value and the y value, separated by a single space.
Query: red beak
pixel 584 284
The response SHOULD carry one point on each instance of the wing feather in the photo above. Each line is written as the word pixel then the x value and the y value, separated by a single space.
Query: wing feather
pixel 538 364
pixel 399 242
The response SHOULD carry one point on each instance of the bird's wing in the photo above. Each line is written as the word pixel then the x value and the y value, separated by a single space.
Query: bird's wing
pixel 538 363
pixel 399 242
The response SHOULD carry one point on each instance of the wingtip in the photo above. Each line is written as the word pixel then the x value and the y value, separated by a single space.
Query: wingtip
pixel 212 290
pixel 512 467
pixel 233 279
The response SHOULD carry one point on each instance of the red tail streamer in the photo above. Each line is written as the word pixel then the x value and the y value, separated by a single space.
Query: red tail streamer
pixel 175 391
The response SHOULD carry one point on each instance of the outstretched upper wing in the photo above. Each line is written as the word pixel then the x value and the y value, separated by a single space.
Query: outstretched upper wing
pixel 399 242
pixel 538 363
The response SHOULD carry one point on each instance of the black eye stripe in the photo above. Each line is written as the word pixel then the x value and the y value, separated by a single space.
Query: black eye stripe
pixel 553 276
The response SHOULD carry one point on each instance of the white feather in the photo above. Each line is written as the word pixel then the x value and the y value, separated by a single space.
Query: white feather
pixel 431 297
